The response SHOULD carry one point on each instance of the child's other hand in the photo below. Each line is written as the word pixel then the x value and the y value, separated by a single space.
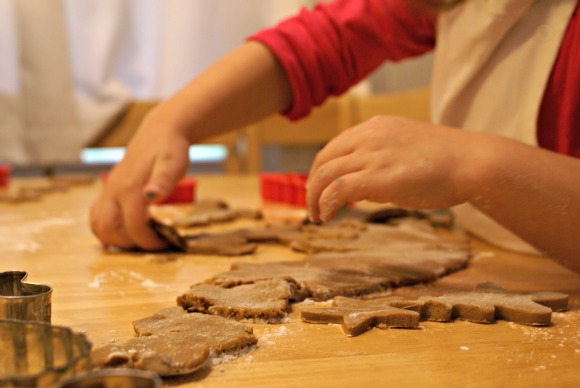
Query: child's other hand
pixel 390 159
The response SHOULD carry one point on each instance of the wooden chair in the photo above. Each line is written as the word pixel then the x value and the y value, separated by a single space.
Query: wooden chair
pixel 317 129
pixel 122 128
pixel 412 104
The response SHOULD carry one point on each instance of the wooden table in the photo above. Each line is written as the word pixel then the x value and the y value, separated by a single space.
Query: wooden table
pixel 101 293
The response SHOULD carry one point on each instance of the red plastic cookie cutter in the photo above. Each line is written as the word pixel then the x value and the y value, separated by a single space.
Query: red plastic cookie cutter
pixel 5 171
pixel 287 188
pixel 184 191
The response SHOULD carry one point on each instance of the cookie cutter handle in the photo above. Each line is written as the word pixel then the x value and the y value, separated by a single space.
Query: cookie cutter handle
pixel 23 301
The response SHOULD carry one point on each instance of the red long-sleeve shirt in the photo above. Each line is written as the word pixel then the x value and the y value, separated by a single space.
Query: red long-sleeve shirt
pixel 330 48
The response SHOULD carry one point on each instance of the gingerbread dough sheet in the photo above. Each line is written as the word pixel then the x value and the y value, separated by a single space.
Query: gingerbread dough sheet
pixel 350 235
pixel 312 282
pixel 357 259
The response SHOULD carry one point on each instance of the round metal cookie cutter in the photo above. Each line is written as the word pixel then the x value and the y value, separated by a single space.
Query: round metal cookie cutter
pixel 38 354
pixel 114 378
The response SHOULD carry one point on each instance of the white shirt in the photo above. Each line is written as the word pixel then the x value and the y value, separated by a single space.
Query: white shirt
pixel 492 62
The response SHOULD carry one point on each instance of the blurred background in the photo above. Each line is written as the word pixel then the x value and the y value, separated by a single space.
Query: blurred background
pixel 72 72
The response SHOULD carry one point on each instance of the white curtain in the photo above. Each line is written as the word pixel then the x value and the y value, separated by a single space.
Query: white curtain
pixel 68 66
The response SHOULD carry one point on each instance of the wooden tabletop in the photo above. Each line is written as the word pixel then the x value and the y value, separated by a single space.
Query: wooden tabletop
pixel 101 293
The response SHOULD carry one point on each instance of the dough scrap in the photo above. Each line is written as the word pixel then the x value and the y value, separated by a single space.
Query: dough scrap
pixel 186 227
pixel 487 303
pixel 174 342
pixel 264 301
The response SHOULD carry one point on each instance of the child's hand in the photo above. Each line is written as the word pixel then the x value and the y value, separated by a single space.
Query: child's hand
pixel 155 160
pixel 390 159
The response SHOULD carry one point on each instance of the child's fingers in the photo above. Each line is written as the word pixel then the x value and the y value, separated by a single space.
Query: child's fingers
pixel 347 188
pixel 321 178
pixel 338 146
pixel 168 169
pixel 136 224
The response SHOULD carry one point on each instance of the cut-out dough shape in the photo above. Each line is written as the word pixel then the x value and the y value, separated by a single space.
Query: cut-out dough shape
pixel 484 305
pixel 490 302
pixel 265 301
pixel 174 342
pixel 358 318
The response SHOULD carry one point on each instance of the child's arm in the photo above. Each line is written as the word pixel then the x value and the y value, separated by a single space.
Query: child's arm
pixel 533 192
pixel 244 86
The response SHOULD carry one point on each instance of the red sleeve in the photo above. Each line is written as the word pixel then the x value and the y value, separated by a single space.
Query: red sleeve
pixel 328 49
pixel 559 118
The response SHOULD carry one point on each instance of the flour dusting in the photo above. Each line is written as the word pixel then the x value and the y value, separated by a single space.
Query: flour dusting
pixel 20 237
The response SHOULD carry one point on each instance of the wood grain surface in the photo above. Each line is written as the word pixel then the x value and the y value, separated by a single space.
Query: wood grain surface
pixel 101 293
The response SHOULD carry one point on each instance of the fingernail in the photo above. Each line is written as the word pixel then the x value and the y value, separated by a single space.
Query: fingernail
pixel 325 213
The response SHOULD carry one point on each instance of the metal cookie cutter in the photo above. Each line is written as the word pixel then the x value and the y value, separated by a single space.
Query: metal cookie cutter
pixel 114 378
pixel 38 354
pixel 23 301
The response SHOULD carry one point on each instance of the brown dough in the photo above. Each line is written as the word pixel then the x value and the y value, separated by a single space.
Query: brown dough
pixel 203 213
pixel 356 236
pixel 167 355
pixel 224 244
pixel 489 302
pixel 484 305
pixel 263 301
pixel 173 342
pixel 185 227
pixel 270 233
pixel 400 267
pixel 398 255
pixel 315 282
pixel 358 316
